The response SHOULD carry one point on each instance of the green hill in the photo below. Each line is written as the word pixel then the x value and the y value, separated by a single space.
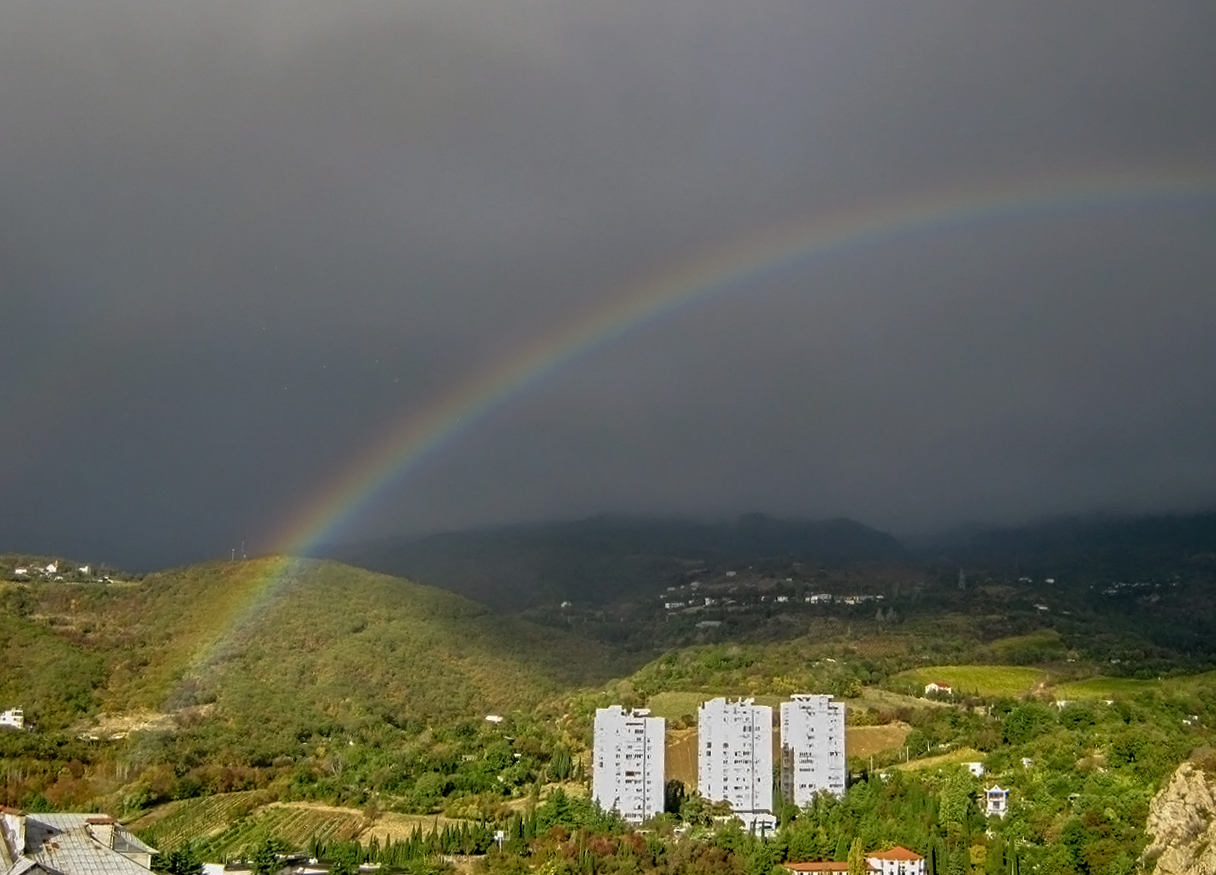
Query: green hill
pixel 326 638
pixel 307 679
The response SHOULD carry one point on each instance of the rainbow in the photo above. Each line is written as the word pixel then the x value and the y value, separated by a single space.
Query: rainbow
pixel 419 433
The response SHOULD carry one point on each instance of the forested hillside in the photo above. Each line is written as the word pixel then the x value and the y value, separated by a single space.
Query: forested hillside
pixel 236 675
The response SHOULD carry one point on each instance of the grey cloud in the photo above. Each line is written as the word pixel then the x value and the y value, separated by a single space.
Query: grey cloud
pixel 239 241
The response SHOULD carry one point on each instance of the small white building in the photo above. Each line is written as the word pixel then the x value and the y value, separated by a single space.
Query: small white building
pixel 735 759
pixel 976 769
pixel 13 717
pixel 628 764
pixel 939 687
pixel 812 748
pixel 996 801
pixel 897 861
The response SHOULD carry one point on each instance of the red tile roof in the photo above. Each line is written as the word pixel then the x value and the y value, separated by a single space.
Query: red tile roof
pixel 896 853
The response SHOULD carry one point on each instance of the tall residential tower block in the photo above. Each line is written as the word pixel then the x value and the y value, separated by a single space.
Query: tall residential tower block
pixel 735 758
pixel 812 748
pixel 628 762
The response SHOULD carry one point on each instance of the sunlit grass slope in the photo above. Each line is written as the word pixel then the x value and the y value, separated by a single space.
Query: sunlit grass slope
pixel 1100 687
pixel 325 641
pixel 983 680
pixel 357 640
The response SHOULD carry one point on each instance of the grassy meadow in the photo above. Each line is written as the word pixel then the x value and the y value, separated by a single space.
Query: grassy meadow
pixel 982 680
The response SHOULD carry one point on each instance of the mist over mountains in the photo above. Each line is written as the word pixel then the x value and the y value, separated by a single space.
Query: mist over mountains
pixel 608 557
pixel 615 557
pixel 1093 545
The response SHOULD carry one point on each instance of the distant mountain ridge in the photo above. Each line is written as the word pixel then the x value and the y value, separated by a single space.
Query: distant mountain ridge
pixel 608 557
pixel 1096 545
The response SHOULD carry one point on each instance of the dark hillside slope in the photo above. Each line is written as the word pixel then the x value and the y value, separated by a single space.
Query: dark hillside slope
pixel 1090 547
pixel 608 558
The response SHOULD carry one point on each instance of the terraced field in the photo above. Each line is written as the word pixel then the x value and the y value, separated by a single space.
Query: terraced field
pixel 172 825
pixel 224 827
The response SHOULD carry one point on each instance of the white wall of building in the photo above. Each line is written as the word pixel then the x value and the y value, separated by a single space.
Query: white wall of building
pixel 900 861
pixel 735 754
pixel 628 762
pixel 14 717
pixel 812 747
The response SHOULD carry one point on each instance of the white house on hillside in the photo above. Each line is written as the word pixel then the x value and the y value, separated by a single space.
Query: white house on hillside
pixel 13 717
pixel 996 801
pixel 897 861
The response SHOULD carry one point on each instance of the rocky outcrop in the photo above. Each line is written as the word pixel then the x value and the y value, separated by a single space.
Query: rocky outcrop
pixel 1182 825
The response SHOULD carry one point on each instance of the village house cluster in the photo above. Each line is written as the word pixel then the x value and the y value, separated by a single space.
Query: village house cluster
pixel 57 572
pixel 675 599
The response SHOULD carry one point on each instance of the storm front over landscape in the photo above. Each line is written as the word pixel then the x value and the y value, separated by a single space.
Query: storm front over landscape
pixel 287 271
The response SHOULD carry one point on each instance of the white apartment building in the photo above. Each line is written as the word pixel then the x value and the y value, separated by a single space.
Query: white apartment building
pixel 628 762
pixel 735 759
pixel 812 748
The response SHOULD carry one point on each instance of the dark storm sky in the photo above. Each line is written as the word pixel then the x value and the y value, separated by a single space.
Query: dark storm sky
pixel 238 241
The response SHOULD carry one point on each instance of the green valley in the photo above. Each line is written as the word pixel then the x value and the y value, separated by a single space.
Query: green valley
pixel 311 706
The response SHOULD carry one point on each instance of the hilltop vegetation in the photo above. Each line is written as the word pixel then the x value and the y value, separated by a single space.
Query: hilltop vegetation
pixel 313 678
pixel 224 633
